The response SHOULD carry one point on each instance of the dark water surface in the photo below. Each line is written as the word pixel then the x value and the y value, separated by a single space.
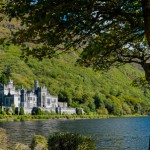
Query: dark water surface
pixel 110 134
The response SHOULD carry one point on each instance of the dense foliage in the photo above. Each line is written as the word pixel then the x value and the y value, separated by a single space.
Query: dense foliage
pixel 39 142
pixel 102 92
pixel 58 141
pixel 97 92
pixel 70 141
pixel 21 112
pixel 117 36
pixel 109 32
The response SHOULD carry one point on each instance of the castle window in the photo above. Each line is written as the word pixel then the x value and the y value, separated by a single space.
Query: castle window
pixel 48 101
pixel 6 101
pixel 29 98
pixel 31 105
pixel 54 100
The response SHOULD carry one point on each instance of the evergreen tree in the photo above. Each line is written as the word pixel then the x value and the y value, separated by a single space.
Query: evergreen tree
pixel 13 108
pixel 21 112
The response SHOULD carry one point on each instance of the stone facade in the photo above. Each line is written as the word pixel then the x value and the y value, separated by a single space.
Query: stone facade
pixel 29 99
pixel 9 95
pixel 37 97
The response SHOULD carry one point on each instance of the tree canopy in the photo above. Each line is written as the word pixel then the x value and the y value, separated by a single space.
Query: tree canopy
pixel 109 32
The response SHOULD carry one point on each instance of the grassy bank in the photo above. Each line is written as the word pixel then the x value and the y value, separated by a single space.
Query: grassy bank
pixel 8 118
pixel 46 117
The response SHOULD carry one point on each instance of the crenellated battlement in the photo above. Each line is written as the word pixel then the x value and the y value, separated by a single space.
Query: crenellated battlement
pixel 29 99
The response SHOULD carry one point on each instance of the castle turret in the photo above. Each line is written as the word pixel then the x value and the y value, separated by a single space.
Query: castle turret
pixel 10 84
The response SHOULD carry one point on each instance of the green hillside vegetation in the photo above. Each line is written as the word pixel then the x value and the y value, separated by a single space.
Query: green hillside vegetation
pixel 97 92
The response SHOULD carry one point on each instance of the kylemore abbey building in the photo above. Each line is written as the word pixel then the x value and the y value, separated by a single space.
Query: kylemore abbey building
pixel 38 97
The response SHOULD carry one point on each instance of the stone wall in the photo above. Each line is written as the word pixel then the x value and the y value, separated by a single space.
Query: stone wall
pixel 28 111
pixel 67 110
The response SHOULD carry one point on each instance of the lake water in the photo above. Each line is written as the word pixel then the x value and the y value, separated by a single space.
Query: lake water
pixel 110 134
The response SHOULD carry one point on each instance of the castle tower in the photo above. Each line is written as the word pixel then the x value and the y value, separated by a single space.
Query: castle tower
pixel 10 84
pixel 22 97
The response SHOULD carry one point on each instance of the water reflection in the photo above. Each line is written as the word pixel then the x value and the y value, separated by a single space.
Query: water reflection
pixel 110 134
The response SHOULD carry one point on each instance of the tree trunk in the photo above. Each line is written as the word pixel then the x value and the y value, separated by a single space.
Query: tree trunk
pixel 146 68
pixel 146 15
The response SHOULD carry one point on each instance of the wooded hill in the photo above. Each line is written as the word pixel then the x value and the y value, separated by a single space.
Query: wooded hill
pixel 102 92
pixel 97 92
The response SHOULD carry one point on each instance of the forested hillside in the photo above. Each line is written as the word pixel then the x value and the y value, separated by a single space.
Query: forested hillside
pixel 97 92
pixel 102 92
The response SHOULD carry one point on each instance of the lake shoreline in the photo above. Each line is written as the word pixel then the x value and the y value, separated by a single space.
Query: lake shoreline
pixel 39 142
pixel 15 118
pixel 110 133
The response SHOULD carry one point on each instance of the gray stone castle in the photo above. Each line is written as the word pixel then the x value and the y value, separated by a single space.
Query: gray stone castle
pixel 38 97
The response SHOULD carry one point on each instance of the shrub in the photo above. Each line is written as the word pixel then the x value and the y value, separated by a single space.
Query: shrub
pixel 91 105
pixel 4 113
pixel 126 109
pixel 79 111
pixel 70 141
pixel 0 109
pixel 36 111
pixel 8 111
pixel 46 112
pixel 13 109
pixel 102 111
pixel 39 142
pixel 20 146
pixel 21 111
pixel 86 110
